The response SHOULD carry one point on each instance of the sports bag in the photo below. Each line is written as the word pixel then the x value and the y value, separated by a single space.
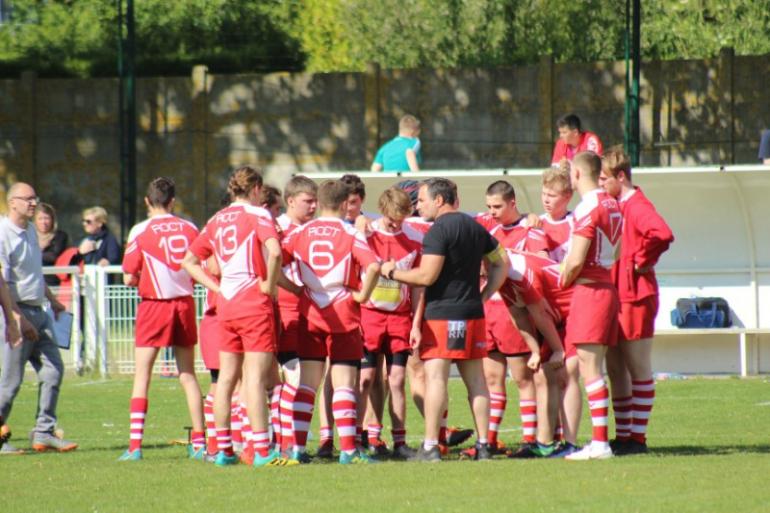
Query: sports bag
pixel 701 312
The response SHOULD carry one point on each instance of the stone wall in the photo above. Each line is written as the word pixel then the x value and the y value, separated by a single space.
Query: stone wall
pixel 61 135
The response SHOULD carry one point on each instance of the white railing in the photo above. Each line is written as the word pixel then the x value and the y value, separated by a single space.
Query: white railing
pixel 105 342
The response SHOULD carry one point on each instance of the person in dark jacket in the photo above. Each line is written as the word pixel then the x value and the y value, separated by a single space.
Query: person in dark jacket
pixel 51 240
pixel 99 246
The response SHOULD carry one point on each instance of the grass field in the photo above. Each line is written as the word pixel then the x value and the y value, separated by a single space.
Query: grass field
pixel 710 441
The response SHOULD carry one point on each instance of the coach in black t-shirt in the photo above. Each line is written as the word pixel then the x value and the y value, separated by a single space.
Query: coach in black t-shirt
pixel 452 312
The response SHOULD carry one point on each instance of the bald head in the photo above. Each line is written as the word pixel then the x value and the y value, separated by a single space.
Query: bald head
pixel 22 201
pixel 20 189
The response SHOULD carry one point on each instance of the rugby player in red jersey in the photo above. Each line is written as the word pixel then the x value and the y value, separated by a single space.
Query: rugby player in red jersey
pixel 165 316
pixel 244 240
pixel 592 323
pixel 331 256
pixel 629 365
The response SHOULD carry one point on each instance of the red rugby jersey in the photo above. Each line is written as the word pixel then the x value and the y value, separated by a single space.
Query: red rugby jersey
pixel 531 278
pixel 598 218
pixel 405 247
pixel 154 251
pixel 330 256
pixel 236 235
pixel 557 235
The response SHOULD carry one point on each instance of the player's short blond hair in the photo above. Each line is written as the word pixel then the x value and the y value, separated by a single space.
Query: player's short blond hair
pixel 616 160
pixel 395 203
pixel 588 162
pixel 299 184
pixel 408 122
pixel 98 213
pixel 557 178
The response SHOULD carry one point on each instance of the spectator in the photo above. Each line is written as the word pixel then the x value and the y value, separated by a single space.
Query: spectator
pixel 401 153
pixel 764 147
pixel 99 246
pixel 51 240
pixel 22 270
pixel 573 139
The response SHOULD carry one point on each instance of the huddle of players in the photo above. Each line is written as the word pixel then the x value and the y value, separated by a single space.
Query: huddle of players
pixel 334 310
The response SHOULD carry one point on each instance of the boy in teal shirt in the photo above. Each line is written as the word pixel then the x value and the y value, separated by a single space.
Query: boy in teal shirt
pixel 401 153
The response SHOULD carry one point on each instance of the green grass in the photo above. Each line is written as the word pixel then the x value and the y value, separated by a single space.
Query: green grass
pixel 710 444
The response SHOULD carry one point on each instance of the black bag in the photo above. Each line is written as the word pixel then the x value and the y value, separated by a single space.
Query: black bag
pixel 701 312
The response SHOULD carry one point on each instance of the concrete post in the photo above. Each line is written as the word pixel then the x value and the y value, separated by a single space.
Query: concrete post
pixel 201 85
pixel 28 150
pixel 372 112
pixel 727 98
pixel 547 119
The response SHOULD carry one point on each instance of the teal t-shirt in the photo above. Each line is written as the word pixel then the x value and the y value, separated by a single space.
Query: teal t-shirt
pixel 392 155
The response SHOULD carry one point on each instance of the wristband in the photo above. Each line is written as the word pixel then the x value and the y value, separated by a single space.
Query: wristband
pixel 390 273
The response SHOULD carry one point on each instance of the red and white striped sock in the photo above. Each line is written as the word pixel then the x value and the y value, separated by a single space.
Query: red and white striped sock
pixel 261 441
pixel 325 435
pixel 528 412
pixel 236 420
pixel 198 440
pixel 344 412
pixel 275 414
pixel 558 432
pixel 598 403
pixel 287 399
pixel 442 428
pixel 137 413
pixel 245 426
pixel 374 431
pixel 399 437
pixel 211 427
pixel 497 403
pixel 621 407
pixel 225 441
pixel 644 397
pixel 302 414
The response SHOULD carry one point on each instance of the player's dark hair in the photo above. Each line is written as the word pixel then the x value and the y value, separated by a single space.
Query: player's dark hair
pixel 570 120
pixel 411 187
pixel 502 188
pixel 161 191
pixel 332 194
pixel 299 184
pixel 441 187
pixel 269 196
pixel 588 162
pixel 243 181
pixel 355 185
pixel 615 160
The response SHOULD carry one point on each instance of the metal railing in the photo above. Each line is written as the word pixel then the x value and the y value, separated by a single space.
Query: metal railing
pixel 104 321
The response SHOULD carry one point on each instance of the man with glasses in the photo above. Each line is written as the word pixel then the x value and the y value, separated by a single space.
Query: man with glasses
pixel 23 271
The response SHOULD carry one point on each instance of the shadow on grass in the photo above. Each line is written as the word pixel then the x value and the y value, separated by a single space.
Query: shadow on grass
pixel 711 450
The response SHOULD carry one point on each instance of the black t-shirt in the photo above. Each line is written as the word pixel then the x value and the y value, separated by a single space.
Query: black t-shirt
pixel 462 242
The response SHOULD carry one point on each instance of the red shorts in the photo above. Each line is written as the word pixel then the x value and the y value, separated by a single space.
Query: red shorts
pixel 502 335
pixel 210 334
pixel 386 332
pixel 593 315
pixel 453 340
pixel 637 319
pixel 253 334
pixel 289 336
pixel 166 322
pixel 316 343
